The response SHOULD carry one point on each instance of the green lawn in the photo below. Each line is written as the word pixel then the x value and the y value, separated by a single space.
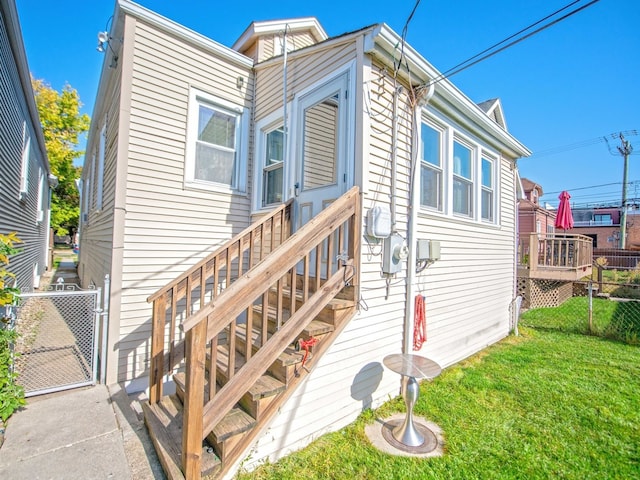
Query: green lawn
pixel 617 320
pixel 547 404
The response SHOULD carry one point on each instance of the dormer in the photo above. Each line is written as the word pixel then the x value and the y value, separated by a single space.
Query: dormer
pixel 532 191
pixel 264 40
pixel 493 109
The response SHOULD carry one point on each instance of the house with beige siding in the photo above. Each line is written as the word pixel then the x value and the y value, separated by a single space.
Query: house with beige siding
pixel 25 177
pixel 267 214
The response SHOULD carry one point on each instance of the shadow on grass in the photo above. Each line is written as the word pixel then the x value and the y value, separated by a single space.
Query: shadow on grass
pixel 625 322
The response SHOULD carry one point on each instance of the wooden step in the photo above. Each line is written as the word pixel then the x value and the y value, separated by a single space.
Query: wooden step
pixel 234 423
pixel 164 422
pixel 314 328
pixel 328 313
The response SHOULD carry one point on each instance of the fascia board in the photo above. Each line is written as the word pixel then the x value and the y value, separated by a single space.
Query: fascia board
pixel 14 33
pixel 383 43
pixel 275 26
pixel 184 33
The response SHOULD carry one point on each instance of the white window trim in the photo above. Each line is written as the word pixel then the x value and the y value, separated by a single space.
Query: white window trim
pixel 24 167
pixel 270 122
pixel 463 141
pixel 479 150
pixel 40 202
pixel 444 164
pixel 242 130
pixel 484 154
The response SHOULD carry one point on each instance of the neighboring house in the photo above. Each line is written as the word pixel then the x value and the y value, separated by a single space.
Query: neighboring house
pixel 25 181
pixel 602 224
pixel 533 217
pixel 190 144
pixel 549 261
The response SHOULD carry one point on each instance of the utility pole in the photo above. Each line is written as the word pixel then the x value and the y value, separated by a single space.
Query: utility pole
pixel 625 150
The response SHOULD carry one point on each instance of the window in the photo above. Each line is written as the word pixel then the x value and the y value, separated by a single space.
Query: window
pixel 24 169
pixel 272 170
pixel 41 193
pixel 215 150
pixel 431 168
pixel 487 206
pixel 462 180
pixel 602 219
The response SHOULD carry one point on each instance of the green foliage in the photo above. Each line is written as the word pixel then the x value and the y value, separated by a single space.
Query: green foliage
pixel 62 125
pixel 11 394
pixel 7 248
pixel 543 405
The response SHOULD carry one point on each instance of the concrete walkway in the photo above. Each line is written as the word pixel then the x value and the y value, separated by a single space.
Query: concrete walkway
pixel 93 432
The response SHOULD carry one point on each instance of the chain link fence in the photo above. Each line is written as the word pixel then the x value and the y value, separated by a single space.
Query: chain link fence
pixel 56 347
pixel 606 305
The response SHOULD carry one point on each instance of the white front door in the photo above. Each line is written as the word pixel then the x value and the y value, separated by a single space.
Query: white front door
pixel 322 166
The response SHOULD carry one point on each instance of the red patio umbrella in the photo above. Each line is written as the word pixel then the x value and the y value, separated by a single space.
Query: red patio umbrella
pixel 564 218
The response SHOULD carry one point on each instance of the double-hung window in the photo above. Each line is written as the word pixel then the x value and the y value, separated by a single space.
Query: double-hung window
pixel 431 168
pixel 273 166
pixel 487 196
pixel 215 155
pixel 462 180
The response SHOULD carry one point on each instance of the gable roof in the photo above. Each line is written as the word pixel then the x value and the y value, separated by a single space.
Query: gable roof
pixel 493 108
pixel 271 27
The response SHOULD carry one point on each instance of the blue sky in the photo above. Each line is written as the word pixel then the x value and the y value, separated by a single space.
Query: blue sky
pixel 564 88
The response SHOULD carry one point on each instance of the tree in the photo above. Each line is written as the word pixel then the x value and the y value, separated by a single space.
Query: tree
pixel 62 125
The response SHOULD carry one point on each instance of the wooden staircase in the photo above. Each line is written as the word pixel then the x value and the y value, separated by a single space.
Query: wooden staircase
pixel 228 333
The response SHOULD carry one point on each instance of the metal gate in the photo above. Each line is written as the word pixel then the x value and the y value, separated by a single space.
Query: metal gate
pixel 57 346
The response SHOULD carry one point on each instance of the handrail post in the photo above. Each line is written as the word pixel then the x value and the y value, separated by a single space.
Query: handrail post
pixel 194 401
pixel 157 349
pixel 533 251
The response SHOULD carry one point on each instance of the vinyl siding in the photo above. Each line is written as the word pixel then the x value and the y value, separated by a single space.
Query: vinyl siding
pixel 167 226
pixel 303 70
pixel 351 373
pixel 467 292
pixel 21 215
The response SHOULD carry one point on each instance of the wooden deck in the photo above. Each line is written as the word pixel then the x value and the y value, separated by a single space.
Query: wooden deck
pixel 563 257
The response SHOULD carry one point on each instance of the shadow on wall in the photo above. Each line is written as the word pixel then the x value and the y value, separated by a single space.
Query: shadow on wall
pixel 365 383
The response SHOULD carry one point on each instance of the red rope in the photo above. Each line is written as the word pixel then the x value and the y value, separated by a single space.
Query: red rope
pixel 306 344
pixel 420 324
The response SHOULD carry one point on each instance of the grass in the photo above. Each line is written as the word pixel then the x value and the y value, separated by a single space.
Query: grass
pixel 547 404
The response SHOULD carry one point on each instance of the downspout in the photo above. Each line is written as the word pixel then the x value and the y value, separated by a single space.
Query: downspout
pixel 284 99
pixel 414 205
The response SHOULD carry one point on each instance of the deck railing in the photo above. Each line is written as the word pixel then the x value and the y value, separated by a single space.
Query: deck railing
pixel 548 253
pixel 311 267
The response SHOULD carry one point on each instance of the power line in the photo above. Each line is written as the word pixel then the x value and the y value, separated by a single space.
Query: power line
pixel 510 37
pixel 480 57
pixel 582 143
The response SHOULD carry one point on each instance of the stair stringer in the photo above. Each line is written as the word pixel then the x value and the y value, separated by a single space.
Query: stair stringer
pixel 230 468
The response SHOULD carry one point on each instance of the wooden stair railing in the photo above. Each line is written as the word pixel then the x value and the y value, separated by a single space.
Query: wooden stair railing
pixel 306 270
pixel 203 281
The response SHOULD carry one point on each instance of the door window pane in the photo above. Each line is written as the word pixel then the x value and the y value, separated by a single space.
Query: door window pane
pixel 320 137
